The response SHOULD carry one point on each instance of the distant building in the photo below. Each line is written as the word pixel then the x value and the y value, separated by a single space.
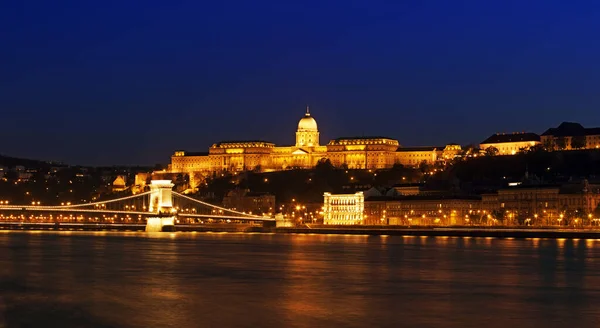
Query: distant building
pixel 414 156
pixel 25 175
pixel 433 209
pixel 408 189
pixel 359 152
pixel 343 209
pixel 570 135
pixel 375 210
pixel 119 184
pixel 244 200
pixel 451 151
pixel 141 179
pixel 544 204
pixel 511 143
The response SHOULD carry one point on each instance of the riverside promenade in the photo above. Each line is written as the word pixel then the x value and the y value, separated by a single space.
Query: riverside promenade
pixel 456 231
pixel 470 231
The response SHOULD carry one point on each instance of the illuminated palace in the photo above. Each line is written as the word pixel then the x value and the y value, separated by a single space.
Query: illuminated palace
pixel 353 152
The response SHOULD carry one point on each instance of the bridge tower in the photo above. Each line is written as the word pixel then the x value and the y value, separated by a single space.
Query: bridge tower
pixel 161 203
pixel 161 197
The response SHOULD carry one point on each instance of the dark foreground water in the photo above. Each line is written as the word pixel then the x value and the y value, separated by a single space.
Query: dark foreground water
pixel 260 280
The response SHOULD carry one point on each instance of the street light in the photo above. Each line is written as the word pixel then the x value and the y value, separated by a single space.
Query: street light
pixel 561 216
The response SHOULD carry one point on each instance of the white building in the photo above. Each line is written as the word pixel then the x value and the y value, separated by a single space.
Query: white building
pixel 343 209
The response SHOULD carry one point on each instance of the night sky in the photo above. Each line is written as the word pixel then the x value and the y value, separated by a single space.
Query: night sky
pixel 129 82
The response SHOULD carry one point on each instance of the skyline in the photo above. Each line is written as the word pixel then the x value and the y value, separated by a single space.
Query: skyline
pixel 100 84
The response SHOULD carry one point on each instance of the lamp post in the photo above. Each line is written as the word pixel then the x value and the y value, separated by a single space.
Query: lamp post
pixel 560 218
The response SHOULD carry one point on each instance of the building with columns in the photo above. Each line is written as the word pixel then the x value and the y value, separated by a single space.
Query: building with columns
pixel 343 209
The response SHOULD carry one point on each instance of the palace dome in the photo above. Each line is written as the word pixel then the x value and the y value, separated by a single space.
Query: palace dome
pixel 307 123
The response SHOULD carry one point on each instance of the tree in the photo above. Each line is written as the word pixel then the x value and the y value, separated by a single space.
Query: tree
pixel 578 142
pixel 537 149
pixel 561 143
pixel 549 145
pixel 498 215
pixel 324 165
pixel 491 151
pixel 397 167
pixel 424 167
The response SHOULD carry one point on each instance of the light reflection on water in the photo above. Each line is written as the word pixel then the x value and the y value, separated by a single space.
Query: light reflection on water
pixel 134 279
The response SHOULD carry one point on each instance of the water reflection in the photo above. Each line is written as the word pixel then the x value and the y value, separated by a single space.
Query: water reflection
pixel 135 279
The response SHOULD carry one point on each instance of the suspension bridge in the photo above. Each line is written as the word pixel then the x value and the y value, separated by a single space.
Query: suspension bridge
pixel 159 209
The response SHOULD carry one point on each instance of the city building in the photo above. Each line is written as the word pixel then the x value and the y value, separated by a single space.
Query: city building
pixel 363 152
pixel 570 135
pixel 375 210
pixel 408 189
pixel 413 156
pixel 510 143
pixel 119 184
pixel 433 210
pixel 543 204
pixel 519 204
pixel 343 209
pixel 244 200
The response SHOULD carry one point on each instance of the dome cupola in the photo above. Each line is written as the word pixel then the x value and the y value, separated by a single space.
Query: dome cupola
pixel 307 123
pixel 307 134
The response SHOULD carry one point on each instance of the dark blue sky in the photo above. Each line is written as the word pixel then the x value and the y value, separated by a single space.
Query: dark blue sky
pixel 129 82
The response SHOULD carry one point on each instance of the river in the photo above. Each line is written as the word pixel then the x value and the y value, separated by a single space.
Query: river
pixel 108 279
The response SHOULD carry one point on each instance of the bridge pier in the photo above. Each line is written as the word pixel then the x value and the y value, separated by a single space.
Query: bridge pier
pixel 160 224
pixel 161 202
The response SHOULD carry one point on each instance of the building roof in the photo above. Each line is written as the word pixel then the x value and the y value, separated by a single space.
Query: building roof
pixel 119 181
pixel 511 137
pixel 379 198
pixel 568 129
pixel 532 186
pixel 424 197
pixel 229 142
pixel 592 131
pixel 307 123
pixel 196 153
pixel 362 138
pixel 439 197
pixel 407 149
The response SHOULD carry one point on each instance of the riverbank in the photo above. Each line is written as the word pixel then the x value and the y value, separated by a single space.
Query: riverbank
pixel 71 226
pixel 495 232
pixel 454 232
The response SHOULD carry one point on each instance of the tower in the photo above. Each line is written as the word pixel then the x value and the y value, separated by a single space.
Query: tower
pixel 160 196
pixel 161 203
pixel 307 134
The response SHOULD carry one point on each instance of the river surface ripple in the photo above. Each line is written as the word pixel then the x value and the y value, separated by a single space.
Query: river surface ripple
pixel 107 279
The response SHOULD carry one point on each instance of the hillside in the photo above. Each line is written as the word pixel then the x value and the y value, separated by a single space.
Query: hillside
pixel 11 162
pixel 548 167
